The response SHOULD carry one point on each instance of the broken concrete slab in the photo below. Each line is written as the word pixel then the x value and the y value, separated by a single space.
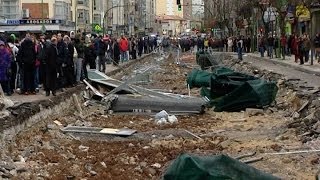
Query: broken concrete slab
pixel 125 103
pixel 96 130
pixel 254 112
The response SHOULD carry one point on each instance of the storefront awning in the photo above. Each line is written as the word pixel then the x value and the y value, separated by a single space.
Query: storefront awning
pixel 35 28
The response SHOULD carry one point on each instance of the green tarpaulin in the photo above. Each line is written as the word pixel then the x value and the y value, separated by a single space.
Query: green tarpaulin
pixel 232 91
pixel 220 167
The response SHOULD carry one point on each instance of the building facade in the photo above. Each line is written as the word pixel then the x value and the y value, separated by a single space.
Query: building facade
pixel 10 9
pixel 169 7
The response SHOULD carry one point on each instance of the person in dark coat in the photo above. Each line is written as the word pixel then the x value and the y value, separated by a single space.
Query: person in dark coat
pixel 68 67
pixel 27 58
pixel 61 61
pixel 89 57
pixel 140 47
pixel 116 52
pixel 133 48
pixel 42 56
pixel 51 66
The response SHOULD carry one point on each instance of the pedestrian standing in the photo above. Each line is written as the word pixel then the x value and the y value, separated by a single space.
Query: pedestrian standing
pixel 78 62
pixel 89 57
pixel 51 66
pixel 116 52
pixel 283 43
pixel 301 50
pixel 140 47
pixel 307 47
pixel 5 62
pixel 262 46
pixel 270 41
pixel 42 56
pixel 240 48
pixel 101 49
pixel 37 65
pixel 230 44
pixel 124 47
pixel 71 58
pixel 133 49
pixel 27 56
pixel 295 48
pixel 316 43
pixel 14 50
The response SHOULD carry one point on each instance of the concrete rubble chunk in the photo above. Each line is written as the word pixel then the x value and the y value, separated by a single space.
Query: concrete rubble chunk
pixel 296 115
pixel 162 114
pixel 254 112
pixel 156 165
pixel 83 148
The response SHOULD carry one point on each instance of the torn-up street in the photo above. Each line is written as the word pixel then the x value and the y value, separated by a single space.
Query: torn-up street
pixel 160 118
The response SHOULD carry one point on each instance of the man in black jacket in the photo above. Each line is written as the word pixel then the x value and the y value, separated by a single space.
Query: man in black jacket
pixel 27 58
pixel 51 66
pixel 42 56
pixel 61 61
pixel 68 67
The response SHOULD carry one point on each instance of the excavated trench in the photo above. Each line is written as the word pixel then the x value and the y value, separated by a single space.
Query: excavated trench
pixel 34 147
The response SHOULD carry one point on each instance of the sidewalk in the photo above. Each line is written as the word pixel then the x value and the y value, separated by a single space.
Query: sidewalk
pixel 110 70
pixel 289 61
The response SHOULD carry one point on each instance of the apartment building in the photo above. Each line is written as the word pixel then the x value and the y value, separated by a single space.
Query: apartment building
pixel 10 9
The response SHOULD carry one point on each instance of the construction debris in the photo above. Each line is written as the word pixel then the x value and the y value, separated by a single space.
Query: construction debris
pixel 124 98
pixel 96 130
pixel 231 91
pixel 188 166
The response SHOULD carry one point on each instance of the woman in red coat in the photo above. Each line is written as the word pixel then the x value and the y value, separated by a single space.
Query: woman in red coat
pixel 295 48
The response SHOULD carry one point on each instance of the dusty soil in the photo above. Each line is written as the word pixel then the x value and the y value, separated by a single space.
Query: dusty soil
pixel 49 154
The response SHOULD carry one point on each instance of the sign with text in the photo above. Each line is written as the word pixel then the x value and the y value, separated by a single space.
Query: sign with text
pixel 33 21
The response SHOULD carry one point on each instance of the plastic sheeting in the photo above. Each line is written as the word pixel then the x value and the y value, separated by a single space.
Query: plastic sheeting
pixel 232 91
pixel 220 167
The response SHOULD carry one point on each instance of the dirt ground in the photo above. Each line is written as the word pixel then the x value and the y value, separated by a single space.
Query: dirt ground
pixel 44 152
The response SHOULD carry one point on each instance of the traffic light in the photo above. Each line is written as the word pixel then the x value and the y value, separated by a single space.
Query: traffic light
pixel 179 7
pixel 178 2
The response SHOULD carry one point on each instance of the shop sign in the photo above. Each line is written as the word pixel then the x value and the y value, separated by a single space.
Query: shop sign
pixel 33 21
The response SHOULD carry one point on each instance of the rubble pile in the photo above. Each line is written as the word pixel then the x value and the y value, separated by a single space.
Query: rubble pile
pixel 295 101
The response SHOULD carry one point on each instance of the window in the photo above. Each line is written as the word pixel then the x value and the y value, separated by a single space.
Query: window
pixel 61 10
pixel 96 18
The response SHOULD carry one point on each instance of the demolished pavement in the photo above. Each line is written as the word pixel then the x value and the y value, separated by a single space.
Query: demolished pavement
pixel 126 98
pixel 44 151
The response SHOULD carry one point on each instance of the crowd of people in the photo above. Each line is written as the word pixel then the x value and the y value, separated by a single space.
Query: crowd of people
pixel 299 46
pixel 61 61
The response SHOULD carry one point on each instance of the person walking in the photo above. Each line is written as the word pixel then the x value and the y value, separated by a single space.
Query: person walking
pixel 5 62
pixel 51 66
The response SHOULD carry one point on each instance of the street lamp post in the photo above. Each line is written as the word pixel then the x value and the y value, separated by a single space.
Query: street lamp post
pixel 104 17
